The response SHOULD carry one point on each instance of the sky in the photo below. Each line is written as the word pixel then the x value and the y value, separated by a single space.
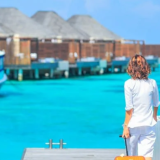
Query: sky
pixel 131 19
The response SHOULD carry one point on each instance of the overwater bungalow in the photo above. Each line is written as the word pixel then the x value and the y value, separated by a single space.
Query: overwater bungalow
pixel 47 44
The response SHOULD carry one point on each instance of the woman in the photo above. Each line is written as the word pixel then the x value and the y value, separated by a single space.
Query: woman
pixel 141 93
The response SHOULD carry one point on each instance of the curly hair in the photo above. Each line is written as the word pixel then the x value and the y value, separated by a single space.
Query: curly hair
pixel 138 67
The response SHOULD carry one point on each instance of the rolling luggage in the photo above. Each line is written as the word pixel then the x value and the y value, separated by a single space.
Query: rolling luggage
pixel 129 157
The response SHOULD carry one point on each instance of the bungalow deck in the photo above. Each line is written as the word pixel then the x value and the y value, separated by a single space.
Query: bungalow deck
pixel 64 68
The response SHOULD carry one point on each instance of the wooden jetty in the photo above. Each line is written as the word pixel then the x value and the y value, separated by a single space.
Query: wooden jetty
pixel 71 154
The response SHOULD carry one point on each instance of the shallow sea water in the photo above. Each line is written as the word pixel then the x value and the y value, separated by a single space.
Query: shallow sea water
pixel 86 112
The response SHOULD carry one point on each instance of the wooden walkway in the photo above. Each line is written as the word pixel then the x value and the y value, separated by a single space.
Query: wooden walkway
pixel 71 154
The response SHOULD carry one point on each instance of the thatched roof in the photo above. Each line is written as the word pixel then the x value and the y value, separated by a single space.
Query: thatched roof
pixel 91 27
pixel 5 30
pixel 58 25
pixel 20 24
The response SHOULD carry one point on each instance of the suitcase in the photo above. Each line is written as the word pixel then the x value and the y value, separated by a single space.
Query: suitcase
pixel 129 157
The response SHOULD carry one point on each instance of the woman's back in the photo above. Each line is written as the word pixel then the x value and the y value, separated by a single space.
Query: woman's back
pixel 141 95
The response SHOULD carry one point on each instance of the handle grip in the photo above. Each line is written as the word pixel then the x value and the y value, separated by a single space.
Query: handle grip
pixel 125 144
pixel 122 137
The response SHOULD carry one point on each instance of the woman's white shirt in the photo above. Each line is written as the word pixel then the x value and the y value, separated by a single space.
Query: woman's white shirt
pixel 141 95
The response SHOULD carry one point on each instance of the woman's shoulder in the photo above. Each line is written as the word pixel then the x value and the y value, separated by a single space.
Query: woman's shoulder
pixel 152 81
pixel 129 83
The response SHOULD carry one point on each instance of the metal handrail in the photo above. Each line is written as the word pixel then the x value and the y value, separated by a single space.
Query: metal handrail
pixel 60 144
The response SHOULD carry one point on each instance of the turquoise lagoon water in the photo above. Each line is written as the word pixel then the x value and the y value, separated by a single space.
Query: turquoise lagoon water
pixel 87 112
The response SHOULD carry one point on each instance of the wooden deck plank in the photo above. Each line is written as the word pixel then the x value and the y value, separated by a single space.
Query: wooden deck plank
pixel 71 154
